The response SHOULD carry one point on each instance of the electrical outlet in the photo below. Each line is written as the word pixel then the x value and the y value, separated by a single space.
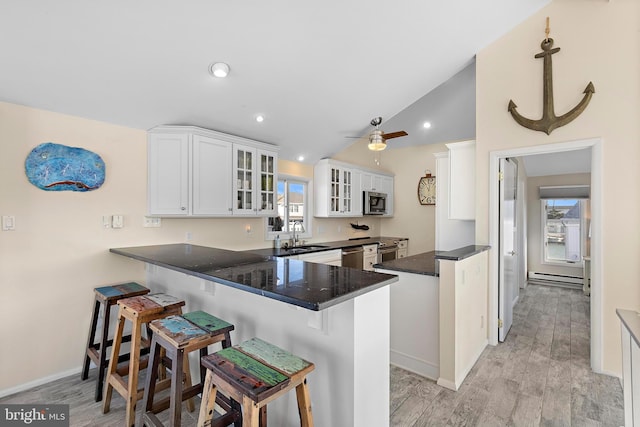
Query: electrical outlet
pixel 187 236
pixel 151 222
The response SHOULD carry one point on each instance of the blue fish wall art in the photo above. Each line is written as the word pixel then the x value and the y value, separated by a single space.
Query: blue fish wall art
pixel 56 167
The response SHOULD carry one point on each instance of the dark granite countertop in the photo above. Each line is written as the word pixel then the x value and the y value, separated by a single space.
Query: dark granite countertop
pixel 424 263
pixel 427 263
pixel 461 253
pixel 324 246
pixel 309 285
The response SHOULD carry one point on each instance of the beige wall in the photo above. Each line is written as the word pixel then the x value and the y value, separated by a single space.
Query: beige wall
pixel 411 219
pixel 600 42
pixel 534 223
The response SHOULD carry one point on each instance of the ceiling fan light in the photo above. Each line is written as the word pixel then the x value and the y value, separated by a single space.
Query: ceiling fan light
pixel 376 143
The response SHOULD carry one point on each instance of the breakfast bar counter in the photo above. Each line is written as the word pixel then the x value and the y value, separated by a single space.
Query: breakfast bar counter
pixel 338 318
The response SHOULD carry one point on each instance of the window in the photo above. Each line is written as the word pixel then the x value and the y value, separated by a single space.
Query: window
pixel 563 230
pixel 293 209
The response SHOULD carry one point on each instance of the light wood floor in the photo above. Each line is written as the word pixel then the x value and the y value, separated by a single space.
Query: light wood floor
pixel 539 376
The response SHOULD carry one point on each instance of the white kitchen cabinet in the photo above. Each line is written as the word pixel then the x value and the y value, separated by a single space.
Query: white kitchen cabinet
pixel 379 183
pixel 255 179
pixel 462 175
pixel 386 186
pixel 168 167
pixel 370 257
pixel 211 185
pixel 337 188
pixel 333 257
pixel 403 248
pixel 199 172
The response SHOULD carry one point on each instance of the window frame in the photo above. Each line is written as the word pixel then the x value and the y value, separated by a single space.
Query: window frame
pixel 543 234
pixel 308 208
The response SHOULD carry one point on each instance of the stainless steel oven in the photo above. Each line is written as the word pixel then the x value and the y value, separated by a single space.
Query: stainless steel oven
pixel 387 251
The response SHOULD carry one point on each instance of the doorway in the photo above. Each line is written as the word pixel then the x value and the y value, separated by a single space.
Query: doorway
pixel 494 236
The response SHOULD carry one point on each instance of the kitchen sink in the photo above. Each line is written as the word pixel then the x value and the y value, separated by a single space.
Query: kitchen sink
pixel 310 247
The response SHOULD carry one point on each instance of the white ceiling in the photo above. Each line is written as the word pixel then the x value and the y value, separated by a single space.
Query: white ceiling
pixel 317 71
pixel 566 162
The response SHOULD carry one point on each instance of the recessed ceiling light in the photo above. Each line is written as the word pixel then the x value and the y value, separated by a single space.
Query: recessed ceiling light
pixel 219 69
pixel 259 118
pixel 300 158
pixel 426 125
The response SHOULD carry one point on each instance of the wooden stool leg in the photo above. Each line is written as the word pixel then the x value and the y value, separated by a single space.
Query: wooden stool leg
pixel 113 364
pixel 187 382
pixel 250 413
pixel 90 343
pixel 263 416
pixel 208 401
pixel 102 358
pixel 152 375
pixel 134 366
pixel 304 404
pixel 175 407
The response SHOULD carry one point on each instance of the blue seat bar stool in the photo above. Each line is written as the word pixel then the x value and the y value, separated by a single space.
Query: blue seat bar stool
pixel 178 336
pixel 96 351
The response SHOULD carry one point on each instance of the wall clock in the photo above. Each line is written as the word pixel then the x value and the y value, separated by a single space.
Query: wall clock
pixel 427 190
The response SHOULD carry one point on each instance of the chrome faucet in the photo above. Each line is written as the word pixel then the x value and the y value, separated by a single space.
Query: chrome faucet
pixel 296 237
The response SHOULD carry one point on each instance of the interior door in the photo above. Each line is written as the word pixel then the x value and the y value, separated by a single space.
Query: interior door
pixel 508 244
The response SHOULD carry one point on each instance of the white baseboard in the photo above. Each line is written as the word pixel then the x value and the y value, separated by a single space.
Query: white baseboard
pixel 38 382
pixel 460 379
pixel 417 366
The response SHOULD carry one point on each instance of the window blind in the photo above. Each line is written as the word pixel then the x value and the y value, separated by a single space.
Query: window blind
pixel 565 192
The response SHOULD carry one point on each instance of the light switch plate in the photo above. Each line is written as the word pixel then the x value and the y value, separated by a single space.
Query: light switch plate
pixel 8 223
pixel 117 221
pixel 152 222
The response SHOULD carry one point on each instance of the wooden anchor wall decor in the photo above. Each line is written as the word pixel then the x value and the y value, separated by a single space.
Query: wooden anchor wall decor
pixel 549 120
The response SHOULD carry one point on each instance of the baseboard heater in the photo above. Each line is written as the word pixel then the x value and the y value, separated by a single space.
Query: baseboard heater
pixel 556 280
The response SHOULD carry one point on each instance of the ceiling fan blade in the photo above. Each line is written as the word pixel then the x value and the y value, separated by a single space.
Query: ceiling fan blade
pixel 394 134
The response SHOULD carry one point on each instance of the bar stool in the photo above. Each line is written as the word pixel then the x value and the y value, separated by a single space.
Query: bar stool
pixel 96 351
pixel 138 310
pixel 255 373
pixel 178 336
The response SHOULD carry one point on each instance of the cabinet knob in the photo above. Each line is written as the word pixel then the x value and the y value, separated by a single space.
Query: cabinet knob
pixel 183 208
pixel 230 209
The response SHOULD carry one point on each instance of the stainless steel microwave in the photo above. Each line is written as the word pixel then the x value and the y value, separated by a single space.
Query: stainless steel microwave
pixel 374 203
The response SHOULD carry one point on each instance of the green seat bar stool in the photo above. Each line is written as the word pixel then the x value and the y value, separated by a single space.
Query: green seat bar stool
pixel 254 373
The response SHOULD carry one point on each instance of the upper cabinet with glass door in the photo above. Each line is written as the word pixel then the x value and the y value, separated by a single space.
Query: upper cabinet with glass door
pixel 255 173
pixel 337 189
pixel 218 174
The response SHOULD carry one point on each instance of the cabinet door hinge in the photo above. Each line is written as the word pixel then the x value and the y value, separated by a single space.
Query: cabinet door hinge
pixel 500 323
pixel 500 176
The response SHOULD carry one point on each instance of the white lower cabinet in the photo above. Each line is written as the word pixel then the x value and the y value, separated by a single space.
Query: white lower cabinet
pixel 403 248
pixel 333 257
pixel 198 172
pixel 370 257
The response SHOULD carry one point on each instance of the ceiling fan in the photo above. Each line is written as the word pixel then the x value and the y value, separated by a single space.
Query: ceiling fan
pixel 378 139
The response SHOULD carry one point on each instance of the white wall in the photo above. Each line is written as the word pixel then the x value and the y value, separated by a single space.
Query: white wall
pixel 600 42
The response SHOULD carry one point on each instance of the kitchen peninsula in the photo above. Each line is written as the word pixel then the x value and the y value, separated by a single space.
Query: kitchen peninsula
pixel 438 310
pixel 336 317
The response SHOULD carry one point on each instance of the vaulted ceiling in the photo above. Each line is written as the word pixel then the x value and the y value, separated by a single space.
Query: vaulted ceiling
pixel 316 71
